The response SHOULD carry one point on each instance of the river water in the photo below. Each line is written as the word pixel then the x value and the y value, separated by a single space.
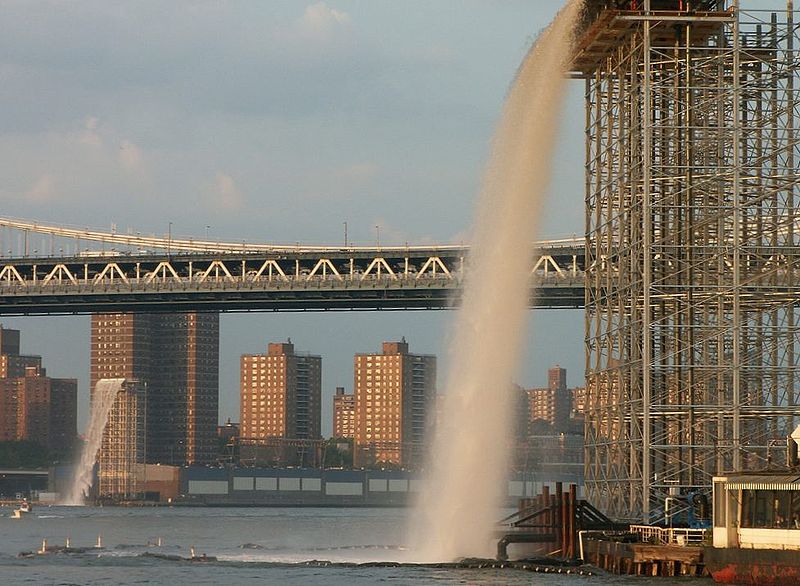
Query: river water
pixel 253 545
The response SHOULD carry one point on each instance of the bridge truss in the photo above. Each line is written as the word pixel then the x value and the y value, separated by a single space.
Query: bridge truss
pixel 192 275
pixel 692 252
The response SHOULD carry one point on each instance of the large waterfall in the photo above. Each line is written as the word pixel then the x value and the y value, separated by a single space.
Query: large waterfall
pixel 467 470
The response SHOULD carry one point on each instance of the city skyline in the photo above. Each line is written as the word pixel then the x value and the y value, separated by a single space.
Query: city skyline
pixel 373 114
pixel 338 361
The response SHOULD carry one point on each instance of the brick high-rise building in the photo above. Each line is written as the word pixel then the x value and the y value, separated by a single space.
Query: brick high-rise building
pixel 553 403
pixel 33 406
pixel 579 400
pixel 176 357
pixel 344 414
pixel 281 394
pixel 63 414
pixel 557 383
pixel 12 363
pixel 395 392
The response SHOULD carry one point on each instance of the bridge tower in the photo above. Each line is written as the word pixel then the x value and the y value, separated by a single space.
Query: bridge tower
pixel 692 335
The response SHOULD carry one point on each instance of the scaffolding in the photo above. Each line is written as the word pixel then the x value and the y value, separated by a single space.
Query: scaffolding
pixel 121 470
pixel 692 244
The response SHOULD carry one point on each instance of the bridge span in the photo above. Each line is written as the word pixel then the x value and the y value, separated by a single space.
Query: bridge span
pixel 195 275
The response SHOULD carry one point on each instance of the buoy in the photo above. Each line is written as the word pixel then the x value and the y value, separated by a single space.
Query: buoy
pixel 99 542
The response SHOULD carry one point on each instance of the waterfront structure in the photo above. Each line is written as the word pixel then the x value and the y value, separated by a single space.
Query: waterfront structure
pixel 281 394
pixel 756 527
pixel 395 391
pixel 344 414
pixel 692 159
pixel 176 357
pixel 33 406
pixel 324 487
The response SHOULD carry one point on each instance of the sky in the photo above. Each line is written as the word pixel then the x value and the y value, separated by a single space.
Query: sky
pixel 274 122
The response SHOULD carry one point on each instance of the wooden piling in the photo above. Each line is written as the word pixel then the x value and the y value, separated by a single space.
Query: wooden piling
pixel 548 518
pixel 573 514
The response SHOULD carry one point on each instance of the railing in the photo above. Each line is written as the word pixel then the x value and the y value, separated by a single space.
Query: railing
pixel 670 535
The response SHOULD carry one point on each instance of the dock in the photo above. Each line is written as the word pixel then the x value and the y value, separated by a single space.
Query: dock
pixel 644 559
pixel 562 527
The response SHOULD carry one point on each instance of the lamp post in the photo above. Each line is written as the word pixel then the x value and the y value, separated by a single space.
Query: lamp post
pixel 378 234
pixel 345 234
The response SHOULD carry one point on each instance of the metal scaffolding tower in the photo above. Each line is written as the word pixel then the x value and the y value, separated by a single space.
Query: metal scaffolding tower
pixel 121 470
pixel 692 244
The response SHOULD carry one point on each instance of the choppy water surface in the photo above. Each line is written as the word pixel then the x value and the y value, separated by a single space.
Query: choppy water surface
pixel 252 546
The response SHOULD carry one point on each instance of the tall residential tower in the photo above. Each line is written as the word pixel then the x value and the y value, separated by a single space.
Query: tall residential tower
pixel 395 392
pixel 281 394
pixel 176 358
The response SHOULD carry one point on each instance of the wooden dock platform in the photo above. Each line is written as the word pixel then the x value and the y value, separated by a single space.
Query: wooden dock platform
pixel 644 559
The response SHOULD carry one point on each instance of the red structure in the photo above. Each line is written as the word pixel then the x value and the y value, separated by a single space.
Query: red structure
pixel 33 406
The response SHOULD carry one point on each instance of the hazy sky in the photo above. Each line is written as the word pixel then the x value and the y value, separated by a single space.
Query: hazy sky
pixel 274 122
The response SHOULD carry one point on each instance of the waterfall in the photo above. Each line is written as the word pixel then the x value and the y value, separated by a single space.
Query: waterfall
pixel 467 469
pixel 105 393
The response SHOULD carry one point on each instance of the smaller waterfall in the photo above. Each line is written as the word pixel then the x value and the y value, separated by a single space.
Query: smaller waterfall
pixel 105 392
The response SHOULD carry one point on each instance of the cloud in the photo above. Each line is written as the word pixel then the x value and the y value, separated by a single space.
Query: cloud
pixel 319 20
pixel 85 162
pixel 130 156
pixel 226 194
pixel 42 190
pixel 90 135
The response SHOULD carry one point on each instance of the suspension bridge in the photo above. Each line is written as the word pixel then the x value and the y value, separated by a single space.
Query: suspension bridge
pixel 50 269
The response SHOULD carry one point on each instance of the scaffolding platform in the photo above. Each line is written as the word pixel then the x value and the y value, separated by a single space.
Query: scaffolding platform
pixel 612 28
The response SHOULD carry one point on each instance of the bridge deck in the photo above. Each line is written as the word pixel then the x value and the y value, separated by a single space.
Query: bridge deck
pixel 377 279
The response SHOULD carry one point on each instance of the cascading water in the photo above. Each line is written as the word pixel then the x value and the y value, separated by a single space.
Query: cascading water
pixel 105 392
pixel 467 468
